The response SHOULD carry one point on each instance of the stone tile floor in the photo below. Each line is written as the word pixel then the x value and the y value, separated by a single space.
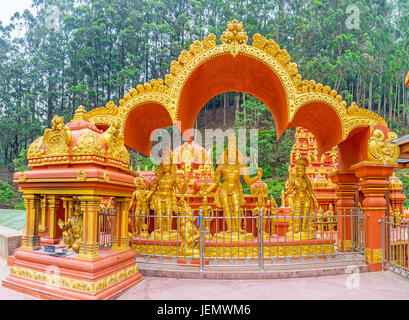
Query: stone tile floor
pixel 370 286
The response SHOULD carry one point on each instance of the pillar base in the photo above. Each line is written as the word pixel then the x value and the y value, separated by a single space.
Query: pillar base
pixel 66 278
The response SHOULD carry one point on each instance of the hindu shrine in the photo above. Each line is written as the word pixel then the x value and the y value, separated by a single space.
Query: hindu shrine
pixel 96 218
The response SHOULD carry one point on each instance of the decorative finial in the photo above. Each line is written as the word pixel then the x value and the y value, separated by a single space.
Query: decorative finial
pixel 234 37
pixel 80 114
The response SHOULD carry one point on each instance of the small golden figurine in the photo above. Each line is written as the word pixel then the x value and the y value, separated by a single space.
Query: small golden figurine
pixel 163 197
pixel 302 202
pixel 139 200
pixel 183 209
pixel 72 230
pixel 190 236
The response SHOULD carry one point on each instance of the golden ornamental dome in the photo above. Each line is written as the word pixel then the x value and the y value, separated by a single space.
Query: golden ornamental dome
pixel 190 152
pixel 78 141
pixel 395 183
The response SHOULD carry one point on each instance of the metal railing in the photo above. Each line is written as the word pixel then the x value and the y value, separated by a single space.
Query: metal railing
pixel 217 238
pixel 106 227
pixel 395 249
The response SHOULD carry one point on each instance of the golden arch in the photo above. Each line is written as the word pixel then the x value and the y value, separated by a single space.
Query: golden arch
pixel 300 96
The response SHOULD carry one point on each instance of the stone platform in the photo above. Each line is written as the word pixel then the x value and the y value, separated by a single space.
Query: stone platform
pixel 275 246
pixel 41 275
pixel 228 272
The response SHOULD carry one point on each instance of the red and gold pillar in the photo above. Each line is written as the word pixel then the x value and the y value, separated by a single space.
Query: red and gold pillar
pixel 121 239
pixel 345 191
pixel 374 185
pixel 42 224
pixel 53 204
pixel 31 240
pixel 89 249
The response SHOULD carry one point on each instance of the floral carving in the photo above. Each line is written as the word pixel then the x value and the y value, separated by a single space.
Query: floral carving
pixel 57 140
pixel 380 149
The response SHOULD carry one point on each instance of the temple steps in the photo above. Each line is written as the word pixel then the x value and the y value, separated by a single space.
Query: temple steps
pixel 252 271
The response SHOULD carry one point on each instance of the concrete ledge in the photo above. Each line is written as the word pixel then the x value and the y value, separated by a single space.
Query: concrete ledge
pixel 10 240
pixel 248 273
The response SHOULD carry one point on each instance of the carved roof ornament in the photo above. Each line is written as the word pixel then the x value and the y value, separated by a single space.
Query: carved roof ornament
pixel 23 177
pixel 80 114
pixel 57 140
pixel 88 143
pixel 381 149
pixel 35 151
pixel 114 141
pixel 395 183
pixel 234 37
pixel 82 176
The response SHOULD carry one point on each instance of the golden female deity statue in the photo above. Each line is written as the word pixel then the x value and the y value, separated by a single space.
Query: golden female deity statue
pixel 302 202
pixel 72 230
pixel 163 197
pixel 140 203
pixel 207 213
pixel 229 195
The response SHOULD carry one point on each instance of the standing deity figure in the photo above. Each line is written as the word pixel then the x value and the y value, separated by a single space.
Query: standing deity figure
pixel 261 206
pixel 141 206
pixel 302 202
pixel 229 194
pixel 163 197
pixel 72 229
pixel 207 214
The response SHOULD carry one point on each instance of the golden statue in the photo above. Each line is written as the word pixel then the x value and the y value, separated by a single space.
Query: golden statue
pixel 260 205
pixel 163 197
pixel 229 195
pixel 183 209
pixel 282 197
pixel 302 202
pixel 141 206
pixel 190 236
pixel 72 230
pixel 272 203
pixel 207 214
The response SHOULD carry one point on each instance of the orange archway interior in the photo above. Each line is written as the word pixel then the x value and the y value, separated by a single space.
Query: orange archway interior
pixel 141 122
pixel 226 73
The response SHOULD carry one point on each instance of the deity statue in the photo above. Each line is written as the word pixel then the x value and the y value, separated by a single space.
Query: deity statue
pixel 190 236
pixel 139 201
pixel 183 209
pixel 261 206
pixel 282 197
pixel 163 197
pixel 72 230
pixel 302 202
pixel 272 203
pixel 207 214
pixel 325 220
pixel 229 194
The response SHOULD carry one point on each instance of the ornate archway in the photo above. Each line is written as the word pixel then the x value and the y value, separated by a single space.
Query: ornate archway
pixel 261 69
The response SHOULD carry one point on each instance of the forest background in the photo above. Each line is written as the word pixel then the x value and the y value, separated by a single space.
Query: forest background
pixel 61 54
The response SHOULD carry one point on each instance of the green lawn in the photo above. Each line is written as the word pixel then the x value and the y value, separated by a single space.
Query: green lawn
pixel 14 219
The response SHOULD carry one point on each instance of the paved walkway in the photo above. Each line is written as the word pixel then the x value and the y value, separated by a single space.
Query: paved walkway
pixel 369 286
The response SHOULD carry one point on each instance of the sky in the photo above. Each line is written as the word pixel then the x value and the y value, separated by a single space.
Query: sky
pixel 9 7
